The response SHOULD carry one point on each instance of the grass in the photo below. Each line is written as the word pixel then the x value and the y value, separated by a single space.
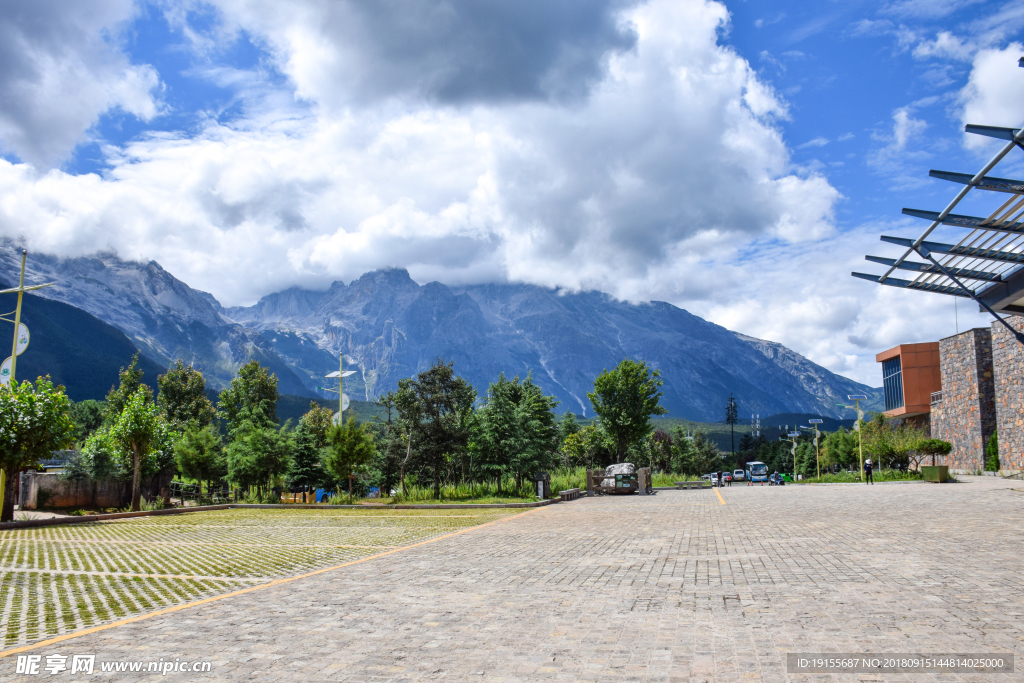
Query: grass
pixel 60 579
pixel 854 477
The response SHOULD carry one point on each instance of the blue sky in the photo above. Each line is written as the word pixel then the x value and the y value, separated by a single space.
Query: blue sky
pixel 735 159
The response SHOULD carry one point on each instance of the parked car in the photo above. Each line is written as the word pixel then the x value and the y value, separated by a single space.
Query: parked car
pixel 738 475
pixel 711 477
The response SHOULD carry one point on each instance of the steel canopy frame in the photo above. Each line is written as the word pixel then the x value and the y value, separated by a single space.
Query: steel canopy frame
pixel 992 253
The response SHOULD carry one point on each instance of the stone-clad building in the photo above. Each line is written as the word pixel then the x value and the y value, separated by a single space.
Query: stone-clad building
pixel 980 390
pixel 966 415
pixel 1008 369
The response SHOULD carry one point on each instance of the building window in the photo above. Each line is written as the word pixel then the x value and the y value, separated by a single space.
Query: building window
pixel 892 383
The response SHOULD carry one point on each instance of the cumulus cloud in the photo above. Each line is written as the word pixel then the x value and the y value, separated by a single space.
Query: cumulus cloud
pixel 344 52
pixel 631 156
pixel 994 94
pixel 60 70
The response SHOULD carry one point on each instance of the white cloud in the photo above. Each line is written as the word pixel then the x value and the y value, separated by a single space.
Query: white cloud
pixel 59 71
pixel 815 142
pixel 945 45
pixel 994 94
pixel 671 158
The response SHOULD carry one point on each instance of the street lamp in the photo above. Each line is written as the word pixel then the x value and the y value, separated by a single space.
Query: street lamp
pixel 860 436
pixel 341 373
pixel 817 454
pixel 794 436
pixel 21 337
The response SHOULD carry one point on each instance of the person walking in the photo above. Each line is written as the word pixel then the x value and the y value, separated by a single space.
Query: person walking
pixel 868 479
pixel 720 483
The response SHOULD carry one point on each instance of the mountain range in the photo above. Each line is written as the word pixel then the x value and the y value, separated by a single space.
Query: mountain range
pixel 391 327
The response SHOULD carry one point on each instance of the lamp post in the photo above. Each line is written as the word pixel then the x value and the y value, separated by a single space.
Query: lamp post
pixel 857 398
pixel 794 436
pixel 19 339
pixel 817 453
pixel 341 373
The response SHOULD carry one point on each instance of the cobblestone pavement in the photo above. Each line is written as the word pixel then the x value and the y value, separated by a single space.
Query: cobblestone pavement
pixel 672 587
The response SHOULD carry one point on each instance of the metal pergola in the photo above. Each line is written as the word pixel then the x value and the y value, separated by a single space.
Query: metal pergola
pixel 987 264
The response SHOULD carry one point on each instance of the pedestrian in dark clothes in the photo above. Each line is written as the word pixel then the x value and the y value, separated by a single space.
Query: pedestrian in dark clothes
pixel 868 479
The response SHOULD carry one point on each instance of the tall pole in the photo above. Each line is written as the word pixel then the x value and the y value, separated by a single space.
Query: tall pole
pixel 341 388
pixel 860 440
pixel 17 320
pixel 817 453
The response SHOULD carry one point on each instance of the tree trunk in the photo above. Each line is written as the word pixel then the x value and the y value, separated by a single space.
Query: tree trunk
pixel 408 452
pixel 7 515
pixel 499 483
pixel 136 478
pixel 437 478
pixel 350 489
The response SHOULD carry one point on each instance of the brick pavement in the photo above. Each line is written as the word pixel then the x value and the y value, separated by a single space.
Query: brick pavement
pixel 673 587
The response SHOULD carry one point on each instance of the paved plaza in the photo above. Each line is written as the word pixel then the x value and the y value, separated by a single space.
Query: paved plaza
pixel 671 587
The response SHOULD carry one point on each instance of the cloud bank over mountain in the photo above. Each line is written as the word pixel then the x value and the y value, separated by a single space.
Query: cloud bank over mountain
pixel 610 145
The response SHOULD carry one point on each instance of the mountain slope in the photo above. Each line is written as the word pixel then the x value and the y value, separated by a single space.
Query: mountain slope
pixel 75 348
pixel 390 327
pixel 163 316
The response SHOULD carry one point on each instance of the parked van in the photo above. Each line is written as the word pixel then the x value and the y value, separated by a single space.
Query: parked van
pixel 738 475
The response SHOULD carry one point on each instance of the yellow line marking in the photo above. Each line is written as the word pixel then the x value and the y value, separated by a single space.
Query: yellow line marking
pixel 720 499
pixel 243 591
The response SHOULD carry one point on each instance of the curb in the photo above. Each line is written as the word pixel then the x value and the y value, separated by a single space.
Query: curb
pixel 56 521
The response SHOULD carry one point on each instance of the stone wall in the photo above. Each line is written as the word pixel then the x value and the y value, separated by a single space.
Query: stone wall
pixel 40 489
pixel 1008 363
pixel 967 416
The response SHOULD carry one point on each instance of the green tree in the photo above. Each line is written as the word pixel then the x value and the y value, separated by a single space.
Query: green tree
pixel 585 446
pixel 391 444
pixel 257 455
pixel 252 396
pixel 317 421
pixel 625 399
pixel 890 441
pixel 517 433
pixel 747 443
pixel 931 448
pixel 199 454
pixel 34 421
pixel 305 469
pixel 442 417
pixel 705 456
pixel 731 418
pixel 129 382
pixel 839 450
pixel 568 426
pixel 140 431
pixel 992 454
pixel 349 448
pixel 410 416
pixel 88 417
pixel 183 397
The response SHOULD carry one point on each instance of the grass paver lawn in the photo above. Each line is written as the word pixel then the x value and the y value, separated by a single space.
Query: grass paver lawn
pixel 59 579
